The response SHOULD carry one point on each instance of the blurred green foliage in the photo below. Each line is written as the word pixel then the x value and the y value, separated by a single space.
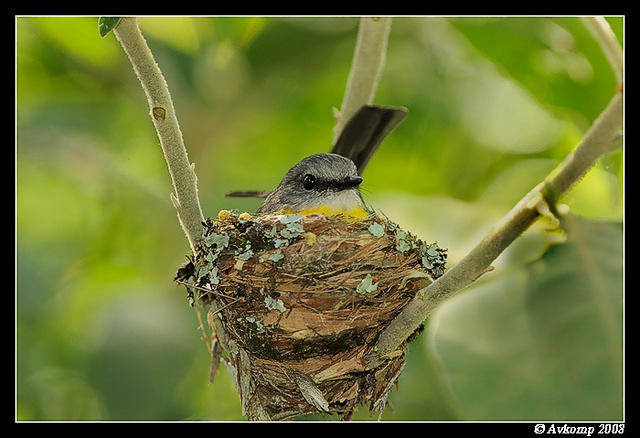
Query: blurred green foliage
pixel 494 104
pixel 560 332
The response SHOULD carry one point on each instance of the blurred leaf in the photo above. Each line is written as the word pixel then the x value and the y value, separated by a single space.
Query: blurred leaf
pixel 77 38
pixel 177 32
pixel 596 196
pixel 65 396
pixel 543 342
pixel 556 59
pixel 511 184
pixel 139 357
pixel 453 224
pixel 500 114
pixel 107 24
pixel 255 25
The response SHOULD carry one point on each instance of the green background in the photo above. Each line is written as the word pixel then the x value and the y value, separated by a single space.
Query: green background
pixel 103 332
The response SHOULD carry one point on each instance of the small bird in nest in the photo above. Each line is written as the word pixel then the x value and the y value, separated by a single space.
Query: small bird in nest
pixel 328 183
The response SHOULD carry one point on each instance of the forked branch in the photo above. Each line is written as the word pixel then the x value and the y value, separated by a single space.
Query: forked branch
pixel 602 138
pixel 539 201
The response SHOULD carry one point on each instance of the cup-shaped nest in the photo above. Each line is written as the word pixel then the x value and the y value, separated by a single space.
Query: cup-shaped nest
pixel 299 301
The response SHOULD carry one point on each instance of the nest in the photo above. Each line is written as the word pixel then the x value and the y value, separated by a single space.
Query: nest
pixel 298 302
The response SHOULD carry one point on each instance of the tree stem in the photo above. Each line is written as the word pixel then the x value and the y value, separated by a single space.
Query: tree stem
pixel 608 41
pixel 594 145
pixel 185 195
pixel 367 65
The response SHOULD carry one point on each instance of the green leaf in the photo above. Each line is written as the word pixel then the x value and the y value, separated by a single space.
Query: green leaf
pixel 543 342
pixel 557 59
pixel 107 24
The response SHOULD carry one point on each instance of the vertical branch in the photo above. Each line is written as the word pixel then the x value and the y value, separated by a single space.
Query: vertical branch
pixel 366 68
pixel 185 195
pixel 608 42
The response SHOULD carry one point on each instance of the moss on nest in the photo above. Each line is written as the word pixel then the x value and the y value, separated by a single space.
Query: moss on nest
pixel 302 299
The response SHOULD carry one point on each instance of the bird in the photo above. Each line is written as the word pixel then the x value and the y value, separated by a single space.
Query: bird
pixel 328 183
pixel 321 183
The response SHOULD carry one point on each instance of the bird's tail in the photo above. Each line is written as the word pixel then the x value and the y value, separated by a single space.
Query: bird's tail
pixel 364 132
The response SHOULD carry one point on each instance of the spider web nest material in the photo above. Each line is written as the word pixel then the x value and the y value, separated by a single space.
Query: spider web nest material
pixel 298 302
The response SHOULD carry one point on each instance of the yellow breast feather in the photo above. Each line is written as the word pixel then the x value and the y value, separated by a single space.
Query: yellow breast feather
pixel 356 212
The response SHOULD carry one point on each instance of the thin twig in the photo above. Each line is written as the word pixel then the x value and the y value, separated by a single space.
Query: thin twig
pixel 367 65
pixel 205 336
pixel 185 196
pixel 223 307
pixel 204 289
pixel 608 41
pixel 594 145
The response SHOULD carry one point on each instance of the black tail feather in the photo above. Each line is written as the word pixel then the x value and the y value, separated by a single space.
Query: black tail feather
pixel 247 194
pixel 364 132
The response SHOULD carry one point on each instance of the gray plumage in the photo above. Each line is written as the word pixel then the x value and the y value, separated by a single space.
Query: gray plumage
pixel 335 182
pixel 359 140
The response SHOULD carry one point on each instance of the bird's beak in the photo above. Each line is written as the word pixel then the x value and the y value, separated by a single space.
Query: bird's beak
pixel 351 182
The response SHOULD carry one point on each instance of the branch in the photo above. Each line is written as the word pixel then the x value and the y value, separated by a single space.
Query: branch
pixel 540 201
pixel 608 42
pixel 366 68
pixel 185 195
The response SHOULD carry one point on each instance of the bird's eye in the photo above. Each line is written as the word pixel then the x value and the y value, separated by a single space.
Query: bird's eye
pixel 309 181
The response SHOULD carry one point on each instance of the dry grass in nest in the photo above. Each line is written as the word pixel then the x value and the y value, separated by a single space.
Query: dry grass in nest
pixel 297 302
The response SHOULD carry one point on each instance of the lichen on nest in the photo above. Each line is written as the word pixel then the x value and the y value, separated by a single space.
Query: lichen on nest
pixel 301 301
